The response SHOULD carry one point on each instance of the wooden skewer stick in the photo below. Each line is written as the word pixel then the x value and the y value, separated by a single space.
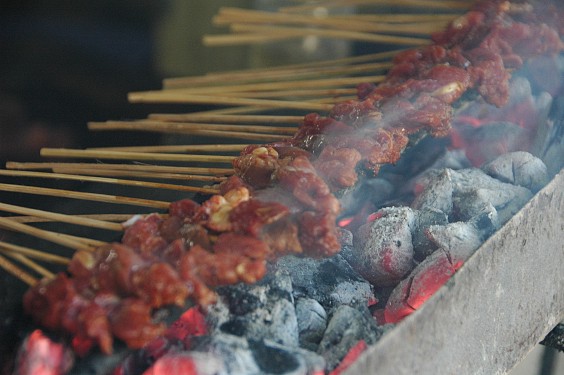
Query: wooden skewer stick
pixel 186 95
pixel 118 155
pixel 176 148
pixel 259 119
pixel 178 97
pixel 115 181
pixel 69 219
pixel 168 126
pixel 136 174
pixel 293 74
pixel 248 16
pixel 398 18
pixel 17 272
pixel 32 253
pixel 129 167
pixel 116 199
pixel 32 265
pixel 120 218
pixel 429 5
pixel 71 242
pixel 249 34
pixel 179 82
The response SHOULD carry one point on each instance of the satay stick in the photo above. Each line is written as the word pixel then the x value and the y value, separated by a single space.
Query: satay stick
pixel 33 253
pixel 69 219
pixel 202 117
pixel 173 96
pixel 428 5
pixel 14 270
pixel 168 126
pixel 120 218
pixel 179 82
pixel 137 174
pixel 205 92
pixel 32 265
pixel 177 148
pixel 106 198
pixel 114 181
pixel 129 167
pixel 249 34
pixel 119 155
pixel 72 242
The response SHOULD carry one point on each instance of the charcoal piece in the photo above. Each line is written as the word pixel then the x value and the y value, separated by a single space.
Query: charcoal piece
pixel 188 362
pixel 234 351
pixel 459 240
pixel 473 190
pixel 506 202
pixel 262 310
pixel 383 251
pixel 555 338
pixel 437 192
pixel 347 326
pixel 273 358
pixel 312 320
pixel 331 282
pixel 518 168
pixel 422 246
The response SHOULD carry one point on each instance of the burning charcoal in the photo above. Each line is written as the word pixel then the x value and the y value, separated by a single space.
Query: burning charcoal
pixel 422 246
pixel 331 282
pixel 383 251
pixel 187 363
pixel 456 242
pixel 263 310
pixel 346 328
pixel 421 284
pixel 437 192
pixel 312 320
pixel 39 354
pixel 518 168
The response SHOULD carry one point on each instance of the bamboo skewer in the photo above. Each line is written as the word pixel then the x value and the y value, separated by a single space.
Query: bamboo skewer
pixel 250 73
pixel 186 126
pixel 115 181
pixel 179 97
pixel 69 219
pixel 260 119
pixel 71 242
pixel 246 34
pixel 130 167
pixel 116 199
pixel 17 272
pixel 229 15
pixel 119 155
pixel 187 93
pixel 136 174
pixel 120 218
pixel 429 5
pixel 176 148
pixel 32 265
pixel 276 75
pixel 32 253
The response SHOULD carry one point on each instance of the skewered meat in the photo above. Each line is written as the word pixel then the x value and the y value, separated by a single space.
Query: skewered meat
pixel 229 238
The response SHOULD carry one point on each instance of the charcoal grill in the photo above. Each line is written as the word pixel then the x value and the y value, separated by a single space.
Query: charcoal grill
pixel 494 310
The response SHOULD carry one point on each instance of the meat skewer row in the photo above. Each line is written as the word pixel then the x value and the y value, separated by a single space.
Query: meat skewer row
pixel 282 197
